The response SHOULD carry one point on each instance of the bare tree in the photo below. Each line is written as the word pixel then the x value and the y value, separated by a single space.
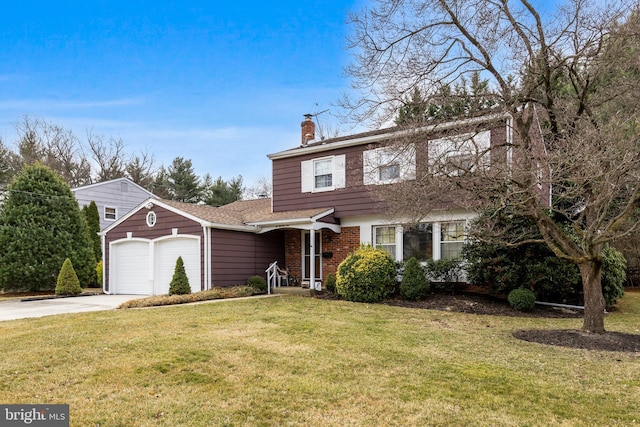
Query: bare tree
pixel 260 189
pixel 574 74
pixel 141 169
pixel 54 146
pixel 109 155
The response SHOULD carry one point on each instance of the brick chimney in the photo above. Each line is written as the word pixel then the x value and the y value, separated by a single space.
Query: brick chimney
pixel 308 129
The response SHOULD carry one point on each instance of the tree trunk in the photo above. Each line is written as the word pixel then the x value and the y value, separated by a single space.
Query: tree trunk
pixel 594 303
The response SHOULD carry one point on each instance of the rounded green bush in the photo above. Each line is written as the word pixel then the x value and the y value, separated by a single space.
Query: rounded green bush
pixel 366 275
pixel 68 283
pixel 330 282
pixel 522 299
pixel 414 285
pixel 259 283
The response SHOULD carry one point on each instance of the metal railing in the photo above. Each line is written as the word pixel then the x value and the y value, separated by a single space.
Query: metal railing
pixel 272 276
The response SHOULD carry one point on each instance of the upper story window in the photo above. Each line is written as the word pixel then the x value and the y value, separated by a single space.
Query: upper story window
pixel 460 154
pixel 110 214
pixel 323 174
pixel 386 165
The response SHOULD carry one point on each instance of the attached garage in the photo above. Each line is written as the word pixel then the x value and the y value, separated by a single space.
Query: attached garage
pixel 130 262
pixel 217 246
pixel 167 252
pixel 145 267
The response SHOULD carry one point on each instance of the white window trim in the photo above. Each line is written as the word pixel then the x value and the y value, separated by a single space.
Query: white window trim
pixel 308 181
pixel 475 144
pixel 115 213
pixel 372 161
pixel 436 230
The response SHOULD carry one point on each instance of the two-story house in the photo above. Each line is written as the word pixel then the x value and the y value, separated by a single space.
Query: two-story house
pixel 322 208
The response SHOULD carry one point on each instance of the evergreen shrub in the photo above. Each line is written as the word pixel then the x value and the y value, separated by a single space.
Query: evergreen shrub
pixel 180 282
pixel 444 273
pixel 259 283
pixel 614 274
pixel 522 299
pixel 366 275
pixel 330 282
pixel 99 268
pixel 68 283
pixel 414 284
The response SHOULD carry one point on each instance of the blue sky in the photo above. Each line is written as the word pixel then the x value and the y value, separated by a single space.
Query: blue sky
pixel 221 83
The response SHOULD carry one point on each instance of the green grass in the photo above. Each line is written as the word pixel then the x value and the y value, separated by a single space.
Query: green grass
pixel 303 361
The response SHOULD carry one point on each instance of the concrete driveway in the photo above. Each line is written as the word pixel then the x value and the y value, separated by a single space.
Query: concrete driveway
pixel 16 309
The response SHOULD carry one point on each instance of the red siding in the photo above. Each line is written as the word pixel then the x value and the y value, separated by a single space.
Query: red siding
pixel 236 255
pixel 165 221
pixel 355 199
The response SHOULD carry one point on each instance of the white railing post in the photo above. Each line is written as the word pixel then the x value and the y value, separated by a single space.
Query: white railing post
pixel 271 276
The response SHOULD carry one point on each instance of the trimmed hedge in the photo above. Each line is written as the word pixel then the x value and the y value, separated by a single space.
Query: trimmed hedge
pixel 211 294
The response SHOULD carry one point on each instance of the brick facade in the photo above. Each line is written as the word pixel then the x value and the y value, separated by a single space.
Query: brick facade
pixel 335 248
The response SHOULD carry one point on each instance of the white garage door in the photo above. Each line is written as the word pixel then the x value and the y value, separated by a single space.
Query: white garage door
pixel 130 268
pixel 166 254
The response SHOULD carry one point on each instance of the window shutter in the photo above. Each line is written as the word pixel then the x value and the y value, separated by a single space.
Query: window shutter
pixel 339 171
pixel 306 175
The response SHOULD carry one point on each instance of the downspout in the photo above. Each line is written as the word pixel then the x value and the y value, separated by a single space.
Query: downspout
pixel 207 257
pixel 104 269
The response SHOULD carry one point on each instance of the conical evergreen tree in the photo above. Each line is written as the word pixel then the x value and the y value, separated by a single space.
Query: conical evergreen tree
pixel 68 283
pixel 92 218
pixel 180 282
pixel 40 226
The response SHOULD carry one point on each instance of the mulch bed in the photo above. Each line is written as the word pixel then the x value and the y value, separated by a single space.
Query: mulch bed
pixel 488 305
pixel 609 341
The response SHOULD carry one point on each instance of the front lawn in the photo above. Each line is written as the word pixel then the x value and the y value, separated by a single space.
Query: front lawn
pixel 304 361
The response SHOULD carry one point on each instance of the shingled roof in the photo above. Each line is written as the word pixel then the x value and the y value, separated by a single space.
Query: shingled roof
pixel 243 212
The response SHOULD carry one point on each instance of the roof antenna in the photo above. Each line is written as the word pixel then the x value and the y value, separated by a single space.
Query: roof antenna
pixel 320 129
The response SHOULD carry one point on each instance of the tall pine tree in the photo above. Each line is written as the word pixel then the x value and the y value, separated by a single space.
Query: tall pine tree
pixel 40 226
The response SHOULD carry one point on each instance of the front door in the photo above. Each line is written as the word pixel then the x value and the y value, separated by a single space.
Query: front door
pixel 307 256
